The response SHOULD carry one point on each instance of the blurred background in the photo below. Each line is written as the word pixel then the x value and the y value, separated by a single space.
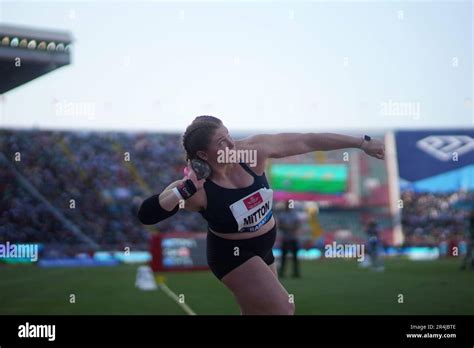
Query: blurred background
pixel 94 98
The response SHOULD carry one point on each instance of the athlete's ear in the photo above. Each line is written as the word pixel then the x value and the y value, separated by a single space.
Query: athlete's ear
pixel 202 155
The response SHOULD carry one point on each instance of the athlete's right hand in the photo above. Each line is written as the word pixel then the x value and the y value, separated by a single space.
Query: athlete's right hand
pixel 190 174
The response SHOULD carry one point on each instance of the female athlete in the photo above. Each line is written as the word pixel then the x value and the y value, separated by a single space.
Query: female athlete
pixel 236 201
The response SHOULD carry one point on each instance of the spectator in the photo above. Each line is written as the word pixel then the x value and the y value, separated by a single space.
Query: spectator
pixel 374 246
pixel 289 226
pixel 468 260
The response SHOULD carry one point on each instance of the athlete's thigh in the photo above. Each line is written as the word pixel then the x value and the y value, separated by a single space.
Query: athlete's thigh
pixel 257 289
pixel 273 268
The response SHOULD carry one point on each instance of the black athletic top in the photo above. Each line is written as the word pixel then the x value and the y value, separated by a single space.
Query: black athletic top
pixel 238 210
pixel 228 210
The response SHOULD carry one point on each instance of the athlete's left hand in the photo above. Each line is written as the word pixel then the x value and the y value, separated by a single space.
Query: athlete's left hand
pixel 189 173
pixel 374 148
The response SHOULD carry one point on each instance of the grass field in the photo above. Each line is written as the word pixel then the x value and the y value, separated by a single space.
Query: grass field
pixel 326 287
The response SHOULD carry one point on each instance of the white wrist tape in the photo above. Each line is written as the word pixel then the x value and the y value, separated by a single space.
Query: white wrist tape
pixel 176 192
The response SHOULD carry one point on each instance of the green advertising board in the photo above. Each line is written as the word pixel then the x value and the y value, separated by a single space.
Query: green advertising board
pixel 318 178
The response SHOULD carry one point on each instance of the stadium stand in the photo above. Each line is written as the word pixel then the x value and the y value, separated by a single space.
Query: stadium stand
pixel 430 218
pixel 92 169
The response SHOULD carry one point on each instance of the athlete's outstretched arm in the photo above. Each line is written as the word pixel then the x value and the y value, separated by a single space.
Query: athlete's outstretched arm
pixel 290 144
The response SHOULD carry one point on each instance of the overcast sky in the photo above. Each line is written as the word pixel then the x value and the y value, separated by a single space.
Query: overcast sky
pixel 258 65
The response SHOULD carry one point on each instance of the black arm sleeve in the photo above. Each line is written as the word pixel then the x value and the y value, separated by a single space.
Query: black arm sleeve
pixel 151 212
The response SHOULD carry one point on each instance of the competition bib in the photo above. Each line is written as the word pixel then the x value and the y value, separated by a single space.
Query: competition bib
pixel 253 211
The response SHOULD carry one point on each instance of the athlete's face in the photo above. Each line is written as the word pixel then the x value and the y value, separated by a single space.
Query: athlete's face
pixel 220 140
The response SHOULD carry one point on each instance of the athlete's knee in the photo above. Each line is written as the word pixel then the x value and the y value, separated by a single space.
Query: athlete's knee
pixel 286 307
pixel 290 308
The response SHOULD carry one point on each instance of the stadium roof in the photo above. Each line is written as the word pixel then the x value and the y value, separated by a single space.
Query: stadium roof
pixel 27 53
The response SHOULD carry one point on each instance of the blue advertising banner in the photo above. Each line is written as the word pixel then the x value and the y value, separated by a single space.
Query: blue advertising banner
pixel 436 160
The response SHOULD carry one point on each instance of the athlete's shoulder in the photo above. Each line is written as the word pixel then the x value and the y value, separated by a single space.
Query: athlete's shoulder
pixel 253 141
pixel 256 153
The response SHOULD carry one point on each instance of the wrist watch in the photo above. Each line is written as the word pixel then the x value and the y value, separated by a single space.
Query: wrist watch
pixel 365 139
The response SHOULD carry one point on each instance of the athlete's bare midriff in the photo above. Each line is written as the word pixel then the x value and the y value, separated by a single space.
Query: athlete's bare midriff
pixel 247 235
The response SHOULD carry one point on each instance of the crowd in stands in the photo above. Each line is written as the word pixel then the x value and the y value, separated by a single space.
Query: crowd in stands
pixel 429 219
pixel 95 180
pixel 22 219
